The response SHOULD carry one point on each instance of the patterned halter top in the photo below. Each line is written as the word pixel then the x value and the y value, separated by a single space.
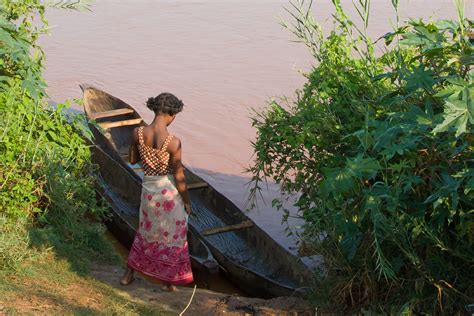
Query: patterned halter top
pixel 155 161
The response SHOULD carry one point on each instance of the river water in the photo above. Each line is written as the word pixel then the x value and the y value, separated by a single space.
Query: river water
pixel 222 58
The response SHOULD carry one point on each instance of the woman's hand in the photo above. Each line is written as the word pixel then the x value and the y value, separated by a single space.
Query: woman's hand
pixel 188 208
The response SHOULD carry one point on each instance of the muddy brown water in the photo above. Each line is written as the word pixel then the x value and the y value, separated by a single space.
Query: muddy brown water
pixel 222 58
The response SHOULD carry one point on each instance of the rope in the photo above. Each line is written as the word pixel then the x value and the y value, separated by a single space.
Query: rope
pixel 194 291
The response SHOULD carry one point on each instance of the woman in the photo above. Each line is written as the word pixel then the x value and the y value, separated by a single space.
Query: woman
pixel 160 248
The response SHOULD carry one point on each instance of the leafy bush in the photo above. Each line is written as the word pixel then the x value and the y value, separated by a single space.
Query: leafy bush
pixel 45 168
pixel 381 148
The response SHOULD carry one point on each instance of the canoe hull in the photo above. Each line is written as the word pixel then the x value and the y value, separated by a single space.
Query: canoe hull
pixel 250 257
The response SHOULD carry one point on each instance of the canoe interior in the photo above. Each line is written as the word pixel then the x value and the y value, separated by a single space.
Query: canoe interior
pixel 256 262
pixel 251 248
pixel 99 101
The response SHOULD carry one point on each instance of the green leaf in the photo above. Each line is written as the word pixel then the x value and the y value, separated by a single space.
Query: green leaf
pixel 452 26
pixel 337 181
pixel 6 39
pixel 457 113
pixel 457 81
pixel 421 117
pixel 420 78
pixel 446 92
pixel 412 39
pixel 363 167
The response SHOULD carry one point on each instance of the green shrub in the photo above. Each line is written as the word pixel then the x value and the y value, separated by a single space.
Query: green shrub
pixel 46 175
pixel 381 148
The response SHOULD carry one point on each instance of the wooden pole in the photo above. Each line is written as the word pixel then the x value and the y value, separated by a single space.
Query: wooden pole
pixel 224 229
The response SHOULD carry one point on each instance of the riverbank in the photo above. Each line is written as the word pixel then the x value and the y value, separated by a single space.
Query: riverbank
pixel 52 283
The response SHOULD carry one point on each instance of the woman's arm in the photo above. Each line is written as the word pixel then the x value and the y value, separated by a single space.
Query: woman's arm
pixel 133 154
pixel 175 151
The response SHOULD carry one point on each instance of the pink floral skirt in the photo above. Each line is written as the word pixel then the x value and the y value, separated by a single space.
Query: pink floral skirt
pixel 160 248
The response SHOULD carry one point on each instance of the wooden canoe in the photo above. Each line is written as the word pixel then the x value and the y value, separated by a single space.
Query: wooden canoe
pixel 250 257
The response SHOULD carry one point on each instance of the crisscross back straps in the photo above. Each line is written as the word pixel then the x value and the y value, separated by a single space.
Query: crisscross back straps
pixel 140 135
pixel 167 141
pixel 141 140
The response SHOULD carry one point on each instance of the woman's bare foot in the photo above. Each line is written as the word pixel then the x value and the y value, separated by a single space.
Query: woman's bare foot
pixel 169 288
pixel 127 277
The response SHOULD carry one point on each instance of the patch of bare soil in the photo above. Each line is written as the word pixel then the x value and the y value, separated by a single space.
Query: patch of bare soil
pixel 204 302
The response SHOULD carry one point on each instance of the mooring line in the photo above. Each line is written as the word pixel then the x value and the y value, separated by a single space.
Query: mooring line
pixel 190 300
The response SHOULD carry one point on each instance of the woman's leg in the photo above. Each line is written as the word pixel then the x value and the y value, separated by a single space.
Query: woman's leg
pixel 127 276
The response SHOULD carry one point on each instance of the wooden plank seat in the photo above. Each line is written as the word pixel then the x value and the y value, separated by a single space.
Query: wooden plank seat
pixel 197 185
pixel 111 113
pixel 121 123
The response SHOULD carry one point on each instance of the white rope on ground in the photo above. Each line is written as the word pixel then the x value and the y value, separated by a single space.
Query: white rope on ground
pixel 194 291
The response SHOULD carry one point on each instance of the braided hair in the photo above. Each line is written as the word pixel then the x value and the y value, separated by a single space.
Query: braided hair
pixel 165 103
